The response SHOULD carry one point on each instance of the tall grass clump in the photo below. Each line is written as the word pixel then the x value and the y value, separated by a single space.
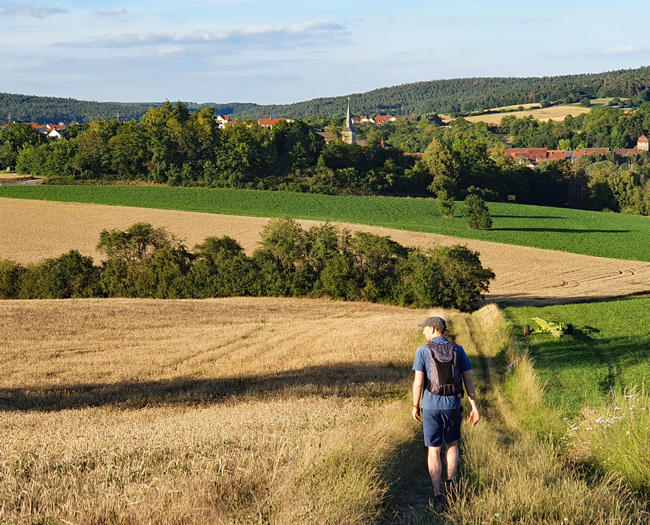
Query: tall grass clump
pixel 615 438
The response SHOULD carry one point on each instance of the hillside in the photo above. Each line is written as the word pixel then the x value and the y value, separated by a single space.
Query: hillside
pixel 26 108
pixel 436 96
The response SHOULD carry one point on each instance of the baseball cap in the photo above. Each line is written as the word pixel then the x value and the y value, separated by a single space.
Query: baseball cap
pixel 435 322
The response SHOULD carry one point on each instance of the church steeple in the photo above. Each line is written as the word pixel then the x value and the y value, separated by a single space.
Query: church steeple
pixel 349 135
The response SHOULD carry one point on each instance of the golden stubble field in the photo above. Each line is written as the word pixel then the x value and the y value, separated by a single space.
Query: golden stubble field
pixel 214 411
pixel 34 230
pixel 549 113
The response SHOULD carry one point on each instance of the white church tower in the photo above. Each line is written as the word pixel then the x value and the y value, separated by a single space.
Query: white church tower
pixel 348 134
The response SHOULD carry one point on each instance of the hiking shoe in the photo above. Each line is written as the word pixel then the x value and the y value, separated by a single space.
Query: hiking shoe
pixel 439 502
pixel 450 490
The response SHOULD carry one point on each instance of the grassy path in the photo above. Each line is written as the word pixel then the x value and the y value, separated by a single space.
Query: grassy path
pixel 507 475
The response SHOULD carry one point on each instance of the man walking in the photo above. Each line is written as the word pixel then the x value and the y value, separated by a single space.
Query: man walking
pixel 441 368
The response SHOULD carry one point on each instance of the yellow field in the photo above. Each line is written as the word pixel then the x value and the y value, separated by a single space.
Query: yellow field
pixel 12 177
pixel 256 411
pixel 216 411
pixel 550 113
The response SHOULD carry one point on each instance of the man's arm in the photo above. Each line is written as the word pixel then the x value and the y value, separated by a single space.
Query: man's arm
pixel 474 416
pixel 418 387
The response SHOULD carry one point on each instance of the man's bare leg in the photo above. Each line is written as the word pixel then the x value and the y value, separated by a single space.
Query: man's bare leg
pixel 452 459
pixel 433 462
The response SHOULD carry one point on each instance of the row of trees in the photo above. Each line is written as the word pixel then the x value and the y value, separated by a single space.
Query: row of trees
pixel 323 261
pixel 596 182
pixel 173 146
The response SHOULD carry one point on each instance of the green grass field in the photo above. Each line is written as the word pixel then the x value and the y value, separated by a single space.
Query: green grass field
pixel 577 231
pixel 593 386
pixel 608 350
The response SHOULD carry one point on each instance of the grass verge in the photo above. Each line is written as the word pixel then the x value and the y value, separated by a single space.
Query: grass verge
pixel 509 475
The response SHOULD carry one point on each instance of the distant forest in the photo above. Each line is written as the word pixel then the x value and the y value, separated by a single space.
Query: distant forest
pixel 453 96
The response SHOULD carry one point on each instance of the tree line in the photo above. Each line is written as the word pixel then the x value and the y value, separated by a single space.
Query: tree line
pixel 454 96
pixel 171 145
pixel 324 261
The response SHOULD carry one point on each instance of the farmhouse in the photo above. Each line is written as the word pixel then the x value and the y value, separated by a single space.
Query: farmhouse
pixel 534 155
pixel 223 120
pixel 270 122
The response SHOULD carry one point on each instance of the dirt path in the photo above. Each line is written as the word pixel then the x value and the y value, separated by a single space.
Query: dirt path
pixel 34 230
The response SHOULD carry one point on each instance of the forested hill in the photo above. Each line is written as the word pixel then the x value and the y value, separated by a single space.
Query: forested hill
pixel 471 94
pixel 26 108
pixel 437 96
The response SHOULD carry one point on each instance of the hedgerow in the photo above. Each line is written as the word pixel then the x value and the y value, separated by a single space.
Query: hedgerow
pixel 324 261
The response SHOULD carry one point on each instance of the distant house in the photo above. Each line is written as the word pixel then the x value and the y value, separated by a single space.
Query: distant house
pixel 556 154
pixel 54 134
pixel 270 122
pixel 382 119
pixel 223 120
pixel 534 155
pixel 642 143
pixel 362 120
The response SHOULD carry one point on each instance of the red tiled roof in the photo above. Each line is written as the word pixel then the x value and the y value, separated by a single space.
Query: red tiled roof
pixel 556 154
pixel 270 121
pixel 643 138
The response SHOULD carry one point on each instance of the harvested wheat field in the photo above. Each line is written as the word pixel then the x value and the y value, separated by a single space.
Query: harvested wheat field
pixel 215 411
pixel 549 113
pixel 34 230
pixel 259 410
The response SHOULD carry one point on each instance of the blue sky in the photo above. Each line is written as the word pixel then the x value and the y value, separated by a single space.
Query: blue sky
pixel 273 52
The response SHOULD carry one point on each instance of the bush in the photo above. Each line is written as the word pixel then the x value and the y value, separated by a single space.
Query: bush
pixel 146 262
pixel 477 213
pixel 10 276
pixel 67 276
pixel 446 204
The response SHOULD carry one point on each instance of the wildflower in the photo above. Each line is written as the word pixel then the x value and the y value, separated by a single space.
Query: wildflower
pixel 617 408
pixel 628 433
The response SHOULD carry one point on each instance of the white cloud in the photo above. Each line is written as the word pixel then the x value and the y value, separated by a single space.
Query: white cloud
pixel 238 40
pixel 623 49
pixel 117 11
pixel 28 10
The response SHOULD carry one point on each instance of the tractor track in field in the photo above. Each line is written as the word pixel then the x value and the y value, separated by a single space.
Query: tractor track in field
pixel 34 230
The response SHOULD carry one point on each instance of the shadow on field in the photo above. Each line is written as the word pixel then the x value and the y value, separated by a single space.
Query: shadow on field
pixel 522 299
pixel 380 381
pixel 554 217
pixel 556 230
pixel 605 362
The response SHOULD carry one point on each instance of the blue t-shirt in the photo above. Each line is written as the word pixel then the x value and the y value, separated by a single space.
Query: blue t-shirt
pixel 422 363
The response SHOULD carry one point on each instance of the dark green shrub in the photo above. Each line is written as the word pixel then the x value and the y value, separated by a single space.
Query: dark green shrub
pixel 477 213
pixel 446 204
pixel 10 277
pixel 463 280
pixel 338 278
pixel 70 275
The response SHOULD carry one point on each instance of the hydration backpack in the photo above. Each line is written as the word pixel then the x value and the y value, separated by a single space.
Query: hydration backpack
pixel 445 377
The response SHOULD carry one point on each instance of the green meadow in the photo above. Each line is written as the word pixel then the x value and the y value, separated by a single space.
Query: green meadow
pixel 576 231
pixel 588 393
pixel 608 351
